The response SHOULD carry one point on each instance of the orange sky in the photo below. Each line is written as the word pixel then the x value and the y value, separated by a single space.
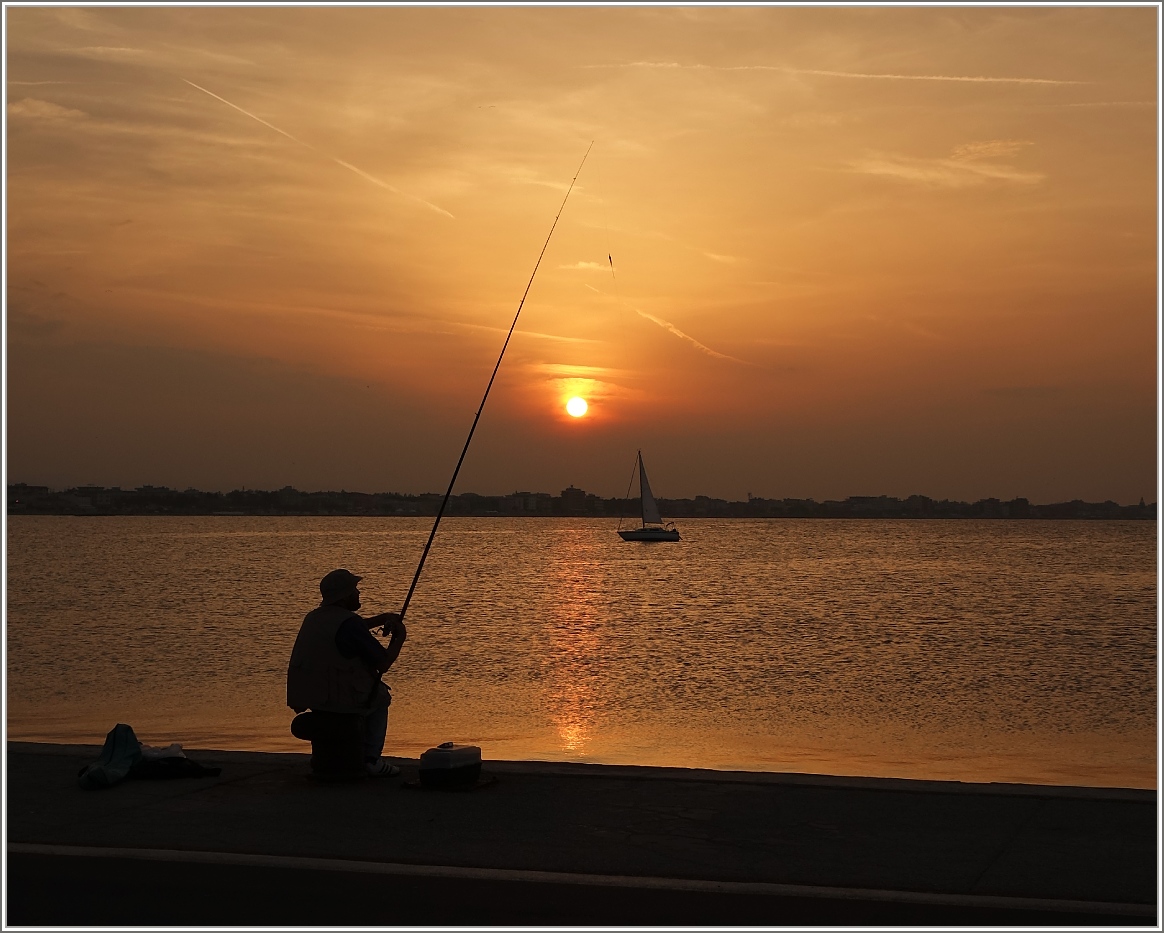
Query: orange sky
pixel 858 251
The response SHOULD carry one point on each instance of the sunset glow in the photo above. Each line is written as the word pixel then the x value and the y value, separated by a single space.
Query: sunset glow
pixel 576 406
pixel 814 251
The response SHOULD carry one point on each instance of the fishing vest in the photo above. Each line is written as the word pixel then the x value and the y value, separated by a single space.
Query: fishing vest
pixel 319 677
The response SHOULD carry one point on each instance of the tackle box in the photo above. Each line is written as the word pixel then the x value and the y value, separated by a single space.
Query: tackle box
pixel 450 765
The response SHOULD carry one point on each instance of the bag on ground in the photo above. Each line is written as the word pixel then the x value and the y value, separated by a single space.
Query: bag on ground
pixel 120 753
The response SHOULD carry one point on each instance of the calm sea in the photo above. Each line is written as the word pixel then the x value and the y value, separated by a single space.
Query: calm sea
pixel 976 651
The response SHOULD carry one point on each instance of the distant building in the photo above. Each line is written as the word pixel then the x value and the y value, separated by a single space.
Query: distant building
pixel 573 498
pixel 573 491
pixel 525 503
pixel 96 496
pixel 22 497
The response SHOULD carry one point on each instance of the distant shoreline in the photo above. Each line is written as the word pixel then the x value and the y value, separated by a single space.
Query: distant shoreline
pixel 24 499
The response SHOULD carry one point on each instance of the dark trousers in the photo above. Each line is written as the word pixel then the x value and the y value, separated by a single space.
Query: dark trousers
pixel 376 724
pixel 342 742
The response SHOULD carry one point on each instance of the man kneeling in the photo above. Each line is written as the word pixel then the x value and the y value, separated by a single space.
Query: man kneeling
pixel 336 666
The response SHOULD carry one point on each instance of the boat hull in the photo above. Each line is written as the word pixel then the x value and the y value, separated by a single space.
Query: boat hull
pixel 649 534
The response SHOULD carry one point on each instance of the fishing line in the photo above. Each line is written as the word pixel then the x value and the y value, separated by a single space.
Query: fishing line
pixel 465 450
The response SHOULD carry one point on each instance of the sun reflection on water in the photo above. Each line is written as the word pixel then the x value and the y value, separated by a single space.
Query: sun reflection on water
pixel 573 644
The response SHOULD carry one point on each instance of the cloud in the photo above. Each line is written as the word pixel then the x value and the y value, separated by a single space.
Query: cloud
pixel 989 149
pixel 523 333
pixel 112 53
pixel 585 265
pixel 975 79
pixel 221 57
pixel 718 257
pixel 944 173
pixel 968 165
pixel 565 370
pixel 32 109
pixel 380 320
pixel 85 20
pixel 1113 103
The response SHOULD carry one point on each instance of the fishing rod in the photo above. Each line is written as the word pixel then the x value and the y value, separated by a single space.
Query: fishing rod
pixel 465 450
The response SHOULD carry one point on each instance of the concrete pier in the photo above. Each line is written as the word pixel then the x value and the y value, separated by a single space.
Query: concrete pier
pixel 565 844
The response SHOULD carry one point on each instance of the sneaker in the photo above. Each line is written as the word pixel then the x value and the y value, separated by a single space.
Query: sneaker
pixel 382 767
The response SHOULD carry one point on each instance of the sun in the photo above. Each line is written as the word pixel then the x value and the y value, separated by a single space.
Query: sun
pixel 577 406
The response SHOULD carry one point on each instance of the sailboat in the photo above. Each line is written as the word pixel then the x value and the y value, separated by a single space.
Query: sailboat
pixel 653 528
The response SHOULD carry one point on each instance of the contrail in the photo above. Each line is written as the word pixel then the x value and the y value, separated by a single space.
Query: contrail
pixel 341 162
pixel 984 79
pixel 691 340
pixel 974 79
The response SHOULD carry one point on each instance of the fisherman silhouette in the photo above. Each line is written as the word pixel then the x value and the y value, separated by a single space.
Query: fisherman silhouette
pixel 335 672
pixel 333 680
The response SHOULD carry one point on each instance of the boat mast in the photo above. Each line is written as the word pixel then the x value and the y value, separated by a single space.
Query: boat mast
pixel 642 504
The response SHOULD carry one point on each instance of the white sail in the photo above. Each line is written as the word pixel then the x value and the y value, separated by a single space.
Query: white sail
pixel 650 507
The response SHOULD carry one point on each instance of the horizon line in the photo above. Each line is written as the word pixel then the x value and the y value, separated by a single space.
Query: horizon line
pixel 391 493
